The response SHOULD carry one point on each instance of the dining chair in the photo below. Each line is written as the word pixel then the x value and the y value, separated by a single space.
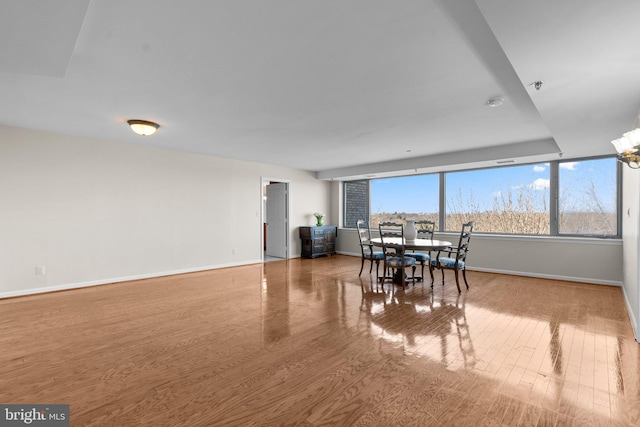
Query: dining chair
pixel 366 247
pixel 425 229
pixel 455 256
pixel 394 251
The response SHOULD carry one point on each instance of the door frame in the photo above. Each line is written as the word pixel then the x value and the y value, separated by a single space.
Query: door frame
pixel 264 181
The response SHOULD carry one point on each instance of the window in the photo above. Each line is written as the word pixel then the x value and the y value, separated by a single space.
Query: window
pixel 587 197
pixel 576 198
pixel 413 197
pixel 508 200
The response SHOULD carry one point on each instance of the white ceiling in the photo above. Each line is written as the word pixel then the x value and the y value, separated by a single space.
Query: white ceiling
pixel 342 87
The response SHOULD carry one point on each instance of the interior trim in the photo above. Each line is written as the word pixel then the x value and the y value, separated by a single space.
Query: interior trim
pixel 69 286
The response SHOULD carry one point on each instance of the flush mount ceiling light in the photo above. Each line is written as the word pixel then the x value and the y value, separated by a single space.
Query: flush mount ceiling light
pixel 143 127
pixel 628 147
pixel 494 102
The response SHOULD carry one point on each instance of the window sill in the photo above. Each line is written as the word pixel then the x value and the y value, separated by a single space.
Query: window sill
pixel 614 241
pixel 453 236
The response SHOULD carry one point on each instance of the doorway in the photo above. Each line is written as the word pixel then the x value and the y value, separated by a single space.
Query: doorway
pixel 275 219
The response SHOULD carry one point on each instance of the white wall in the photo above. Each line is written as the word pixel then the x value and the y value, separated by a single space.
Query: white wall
pixel 94 211
pixel 630 226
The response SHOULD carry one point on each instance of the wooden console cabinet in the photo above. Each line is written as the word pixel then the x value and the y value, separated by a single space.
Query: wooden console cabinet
pixel 318 241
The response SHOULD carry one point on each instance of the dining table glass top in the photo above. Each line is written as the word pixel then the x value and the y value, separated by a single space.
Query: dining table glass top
pixel 417 244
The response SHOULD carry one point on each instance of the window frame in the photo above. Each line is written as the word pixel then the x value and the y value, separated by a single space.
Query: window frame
pixel 554 190
pixel 618 173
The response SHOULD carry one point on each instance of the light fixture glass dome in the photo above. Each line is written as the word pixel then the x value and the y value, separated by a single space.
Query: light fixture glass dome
pixel 628 147
pixel 143 127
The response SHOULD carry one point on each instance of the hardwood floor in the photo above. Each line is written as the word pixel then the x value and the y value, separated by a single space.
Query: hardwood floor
pixel 308 342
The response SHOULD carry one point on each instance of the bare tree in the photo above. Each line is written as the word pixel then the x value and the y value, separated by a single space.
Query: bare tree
pixel 583 208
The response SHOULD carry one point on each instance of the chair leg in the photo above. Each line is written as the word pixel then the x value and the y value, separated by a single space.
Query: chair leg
pixel 384 273
pixel 370 266
pixel 464 275
pixel 431 274
pixel 457 283
pixel 361 267
pixel 377 267
pixel 442 269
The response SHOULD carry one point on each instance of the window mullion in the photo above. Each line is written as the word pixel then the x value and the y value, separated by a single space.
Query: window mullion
pixel 442 203
pixel 619 196
pixel 553 199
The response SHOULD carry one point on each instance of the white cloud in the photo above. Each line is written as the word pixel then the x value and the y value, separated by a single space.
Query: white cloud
pixel 569 165
pixel 539 168
pixel 497 194
pixel 539 184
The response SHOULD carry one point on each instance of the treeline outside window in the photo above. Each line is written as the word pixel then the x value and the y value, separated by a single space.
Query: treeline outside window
pixel 578 198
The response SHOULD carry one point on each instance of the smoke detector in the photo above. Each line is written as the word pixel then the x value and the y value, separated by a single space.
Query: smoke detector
pixel 494 102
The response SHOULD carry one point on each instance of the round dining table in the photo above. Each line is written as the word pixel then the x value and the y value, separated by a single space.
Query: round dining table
pixel 423 245
pixel 414 245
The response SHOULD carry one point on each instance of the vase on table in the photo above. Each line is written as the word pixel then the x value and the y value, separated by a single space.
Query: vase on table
pixel 410 231
pixel 318 219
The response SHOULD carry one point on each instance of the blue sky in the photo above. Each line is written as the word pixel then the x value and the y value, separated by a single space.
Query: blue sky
pixel 419 193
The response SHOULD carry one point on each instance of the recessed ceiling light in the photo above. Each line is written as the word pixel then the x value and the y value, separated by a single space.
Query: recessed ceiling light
pixel 494 102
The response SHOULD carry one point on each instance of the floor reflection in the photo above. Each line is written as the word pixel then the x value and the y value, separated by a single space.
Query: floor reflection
pixel 276 317
pixel 307 342
pixel 413 316
pixel 541 355
pixel 559 347
pixel 619 378
pixel 555 348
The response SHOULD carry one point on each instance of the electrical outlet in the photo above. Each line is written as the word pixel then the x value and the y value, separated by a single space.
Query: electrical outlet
pixel 40 270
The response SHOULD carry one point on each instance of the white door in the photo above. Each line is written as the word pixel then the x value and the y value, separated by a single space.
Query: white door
pixel 276 216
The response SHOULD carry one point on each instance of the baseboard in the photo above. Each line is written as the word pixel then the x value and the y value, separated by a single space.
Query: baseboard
pixel 528 274
pixel 547 276
pixel 69 286
pixel 358 254
pixel 218 266
pixel 632 318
